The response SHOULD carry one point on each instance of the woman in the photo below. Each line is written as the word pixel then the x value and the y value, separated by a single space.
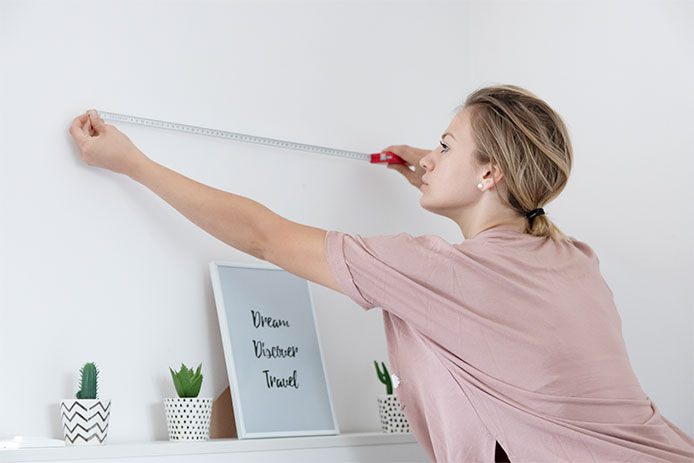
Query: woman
pixel 507 340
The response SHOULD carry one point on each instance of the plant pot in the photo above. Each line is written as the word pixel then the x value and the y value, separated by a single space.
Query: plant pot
pixel 188 418
pixel 85 421
pixel 392 417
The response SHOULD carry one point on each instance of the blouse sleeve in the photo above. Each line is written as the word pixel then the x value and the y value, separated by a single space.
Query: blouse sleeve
pixel 404 275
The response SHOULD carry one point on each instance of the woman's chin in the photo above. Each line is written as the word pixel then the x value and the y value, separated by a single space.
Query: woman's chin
pixel 430 206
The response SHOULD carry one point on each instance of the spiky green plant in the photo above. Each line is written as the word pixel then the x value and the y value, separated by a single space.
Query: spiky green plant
pixel 186 382
pixel 88 382
pixel 384 377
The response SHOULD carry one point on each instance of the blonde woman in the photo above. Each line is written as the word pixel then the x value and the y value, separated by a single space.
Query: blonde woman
pixel 507 345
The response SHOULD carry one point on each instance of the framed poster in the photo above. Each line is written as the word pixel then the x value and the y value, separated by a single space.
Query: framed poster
pixel 273 357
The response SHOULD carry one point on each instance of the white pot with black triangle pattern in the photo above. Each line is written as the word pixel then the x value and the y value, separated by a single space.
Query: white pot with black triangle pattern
pixel 390 411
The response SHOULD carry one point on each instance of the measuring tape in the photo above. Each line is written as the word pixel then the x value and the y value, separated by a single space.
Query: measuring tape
pixel 387 156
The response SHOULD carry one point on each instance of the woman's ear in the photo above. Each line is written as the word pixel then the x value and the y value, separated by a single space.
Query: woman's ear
pixel 494 176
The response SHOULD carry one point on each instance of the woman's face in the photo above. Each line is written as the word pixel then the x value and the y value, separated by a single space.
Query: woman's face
pixel 451 176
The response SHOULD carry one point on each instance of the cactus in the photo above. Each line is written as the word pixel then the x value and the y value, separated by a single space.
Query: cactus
pixel 187 384
pixel 88 382
pixel 384 377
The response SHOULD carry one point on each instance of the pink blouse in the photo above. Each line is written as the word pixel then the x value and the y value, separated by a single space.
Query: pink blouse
pixel 506 337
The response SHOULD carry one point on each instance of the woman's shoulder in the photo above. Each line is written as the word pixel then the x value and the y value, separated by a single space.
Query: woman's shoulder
pixel 508 241
pixel 495 241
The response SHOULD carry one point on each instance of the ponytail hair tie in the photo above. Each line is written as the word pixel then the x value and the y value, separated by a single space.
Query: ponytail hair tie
pixel 534 213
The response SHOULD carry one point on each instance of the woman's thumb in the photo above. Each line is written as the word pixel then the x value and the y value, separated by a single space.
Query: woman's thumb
pixel 97 122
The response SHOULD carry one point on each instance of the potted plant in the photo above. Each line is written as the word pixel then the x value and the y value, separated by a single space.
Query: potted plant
pixel 85 419
pixel 392 417
pixel 188 416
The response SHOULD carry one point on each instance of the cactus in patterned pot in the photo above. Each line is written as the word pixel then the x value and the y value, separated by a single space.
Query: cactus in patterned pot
pixel 85 418
pixel 188 416
pixel 389 409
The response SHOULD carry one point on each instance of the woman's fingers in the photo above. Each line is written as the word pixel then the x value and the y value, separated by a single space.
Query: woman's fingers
pixel 404 170
pixel 412 170
pixel 85 126
pixel 88 129
pixel 97 123
pixel 414 177
pixel 77 128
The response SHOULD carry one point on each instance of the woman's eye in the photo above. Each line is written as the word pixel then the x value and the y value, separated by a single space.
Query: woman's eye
pixel 444 147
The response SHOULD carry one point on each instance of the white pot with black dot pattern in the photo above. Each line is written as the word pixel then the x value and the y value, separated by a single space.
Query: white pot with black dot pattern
pixel 392 417
pixel 188 418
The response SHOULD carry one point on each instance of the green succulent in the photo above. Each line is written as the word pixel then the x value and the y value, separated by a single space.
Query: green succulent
pixel 186 382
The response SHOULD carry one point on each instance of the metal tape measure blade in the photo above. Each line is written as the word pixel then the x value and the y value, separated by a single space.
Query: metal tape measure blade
pixel 233 136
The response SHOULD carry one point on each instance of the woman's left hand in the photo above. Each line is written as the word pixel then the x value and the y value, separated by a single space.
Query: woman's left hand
pixel 103 145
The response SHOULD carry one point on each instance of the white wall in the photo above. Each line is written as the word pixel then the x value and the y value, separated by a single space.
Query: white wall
pixel 85 249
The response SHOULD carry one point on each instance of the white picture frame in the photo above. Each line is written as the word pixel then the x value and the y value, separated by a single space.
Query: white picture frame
pixel 275 294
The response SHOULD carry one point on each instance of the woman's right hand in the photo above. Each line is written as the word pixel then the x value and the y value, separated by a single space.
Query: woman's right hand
pixel 411 156
pixel 103 145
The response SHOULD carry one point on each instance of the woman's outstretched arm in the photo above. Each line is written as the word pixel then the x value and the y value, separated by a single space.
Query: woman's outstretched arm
pixel 242 223
pixel 236 220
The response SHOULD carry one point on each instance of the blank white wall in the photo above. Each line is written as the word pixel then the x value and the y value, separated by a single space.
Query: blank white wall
pixel 95 267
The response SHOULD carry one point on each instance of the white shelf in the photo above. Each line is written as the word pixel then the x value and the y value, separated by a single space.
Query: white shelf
pixel 212 446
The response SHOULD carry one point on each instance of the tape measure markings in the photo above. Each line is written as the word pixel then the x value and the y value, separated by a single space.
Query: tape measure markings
pixel 377 157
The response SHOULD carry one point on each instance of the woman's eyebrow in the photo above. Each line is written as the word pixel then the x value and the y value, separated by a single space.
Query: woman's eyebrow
pixel 447 133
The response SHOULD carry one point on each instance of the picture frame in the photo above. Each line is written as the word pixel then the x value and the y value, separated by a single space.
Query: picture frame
pixel 272 351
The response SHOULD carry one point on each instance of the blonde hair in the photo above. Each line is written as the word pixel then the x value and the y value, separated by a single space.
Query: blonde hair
pixel 529 142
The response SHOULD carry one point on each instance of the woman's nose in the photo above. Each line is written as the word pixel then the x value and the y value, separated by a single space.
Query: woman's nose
pixel 424 162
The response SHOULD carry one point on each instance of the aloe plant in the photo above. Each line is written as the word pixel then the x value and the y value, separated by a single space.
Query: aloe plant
pixel 384 377
pixel 88 381
pixel 186 382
